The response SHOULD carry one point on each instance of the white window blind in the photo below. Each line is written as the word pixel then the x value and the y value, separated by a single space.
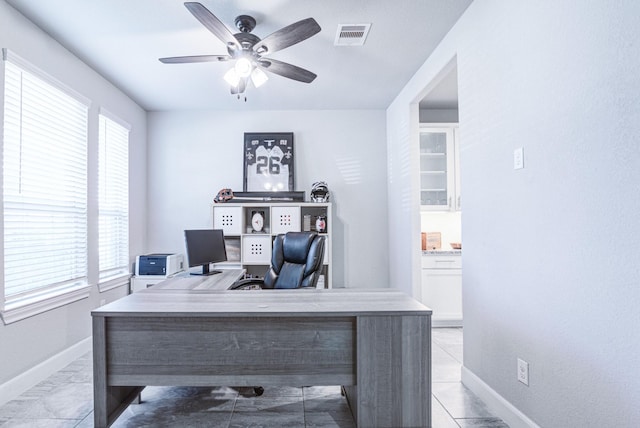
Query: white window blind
pixel 113 181
pixel 44 187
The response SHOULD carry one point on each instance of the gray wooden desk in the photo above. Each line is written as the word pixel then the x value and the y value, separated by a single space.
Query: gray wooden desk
pixel 185 281
pixel 376 343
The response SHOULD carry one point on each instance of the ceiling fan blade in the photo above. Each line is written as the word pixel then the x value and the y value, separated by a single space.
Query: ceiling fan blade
pixel 287 36
pixel 195 58
pixel 212 23
pixel 287 70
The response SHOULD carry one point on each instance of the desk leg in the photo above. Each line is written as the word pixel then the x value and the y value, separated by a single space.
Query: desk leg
pixel 394 372
pixel 108 401
pixel 99 373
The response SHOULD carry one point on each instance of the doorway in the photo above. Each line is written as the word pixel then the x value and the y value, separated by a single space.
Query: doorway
pixel 441 199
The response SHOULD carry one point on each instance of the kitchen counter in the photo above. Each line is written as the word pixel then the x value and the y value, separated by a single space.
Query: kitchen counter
pixel 441 252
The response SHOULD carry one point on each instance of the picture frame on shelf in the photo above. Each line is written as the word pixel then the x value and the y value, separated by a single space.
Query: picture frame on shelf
pixel 268 162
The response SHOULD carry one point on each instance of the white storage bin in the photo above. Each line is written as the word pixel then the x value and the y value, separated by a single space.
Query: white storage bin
pixel 256 249
pixel 229 219
pixel 285 219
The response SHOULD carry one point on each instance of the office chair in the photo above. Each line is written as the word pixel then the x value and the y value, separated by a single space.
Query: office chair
pixel 296 262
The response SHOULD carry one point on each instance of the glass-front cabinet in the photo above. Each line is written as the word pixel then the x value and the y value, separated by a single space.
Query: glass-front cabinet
pixel 439 176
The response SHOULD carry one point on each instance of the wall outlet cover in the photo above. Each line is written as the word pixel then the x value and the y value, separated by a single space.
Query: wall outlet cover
pixel 523 372
pixel 518 158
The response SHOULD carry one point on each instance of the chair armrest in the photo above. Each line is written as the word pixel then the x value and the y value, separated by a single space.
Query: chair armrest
pixel 248 284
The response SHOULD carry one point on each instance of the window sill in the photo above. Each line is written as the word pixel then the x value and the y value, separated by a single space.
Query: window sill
pixel 28 307
pixel 114 282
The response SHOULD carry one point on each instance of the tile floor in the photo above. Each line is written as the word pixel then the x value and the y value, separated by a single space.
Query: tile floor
pixel 65 400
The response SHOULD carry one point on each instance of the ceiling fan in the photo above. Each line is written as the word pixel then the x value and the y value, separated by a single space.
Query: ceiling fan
pixel 247 49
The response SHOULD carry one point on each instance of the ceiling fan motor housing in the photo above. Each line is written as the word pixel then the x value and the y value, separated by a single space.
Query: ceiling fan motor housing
pixel 245 23
pixel 246 40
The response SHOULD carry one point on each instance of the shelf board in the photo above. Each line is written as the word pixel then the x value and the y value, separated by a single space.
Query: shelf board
pixel 435 154
pixel 433 172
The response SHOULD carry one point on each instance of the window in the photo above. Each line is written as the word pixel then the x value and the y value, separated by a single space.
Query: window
pixel 44 190
pixel 113 171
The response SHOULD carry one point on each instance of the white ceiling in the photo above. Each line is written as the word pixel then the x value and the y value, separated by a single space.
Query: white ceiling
pixel 123 39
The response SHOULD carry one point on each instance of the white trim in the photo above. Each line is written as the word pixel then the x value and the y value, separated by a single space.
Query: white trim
pixel 9 55
pixel 496 402
pixel 23 382
pixel 116 282
pixel 106 113
pixel 446 322
pixel 17 311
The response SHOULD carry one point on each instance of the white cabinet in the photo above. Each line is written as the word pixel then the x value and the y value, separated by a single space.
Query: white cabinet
pixel 439 168
pixel 250 228
pixel 145 281
pixel 442 288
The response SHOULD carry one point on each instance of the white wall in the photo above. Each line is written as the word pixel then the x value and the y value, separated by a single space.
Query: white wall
pixel 27 343
pixel 551 252
pixel 192 155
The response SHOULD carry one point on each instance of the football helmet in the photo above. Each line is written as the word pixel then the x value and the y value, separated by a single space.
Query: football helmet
pixel 319 192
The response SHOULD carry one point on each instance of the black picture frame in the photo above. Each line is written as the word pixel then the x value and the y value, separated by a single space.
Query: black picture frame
pixel 268 162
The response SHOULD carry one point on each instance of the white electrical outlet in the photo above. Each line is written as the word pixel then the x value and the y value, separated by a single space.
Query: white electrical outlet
pixel 518 158
pixel 523 371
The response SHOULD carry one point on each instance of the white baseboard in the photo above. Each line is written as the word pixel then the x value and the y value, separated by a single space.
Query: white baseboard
pixel 23 382
pixel 444 322
pixel 496 402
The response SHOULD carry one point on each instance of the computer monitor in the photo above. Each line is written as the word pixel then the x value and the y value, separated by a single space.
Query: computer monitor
pixel 205 246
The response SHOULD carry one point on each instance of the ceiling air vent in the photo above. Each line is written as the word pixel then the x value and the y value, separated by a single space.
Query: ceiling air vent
pixel 351 34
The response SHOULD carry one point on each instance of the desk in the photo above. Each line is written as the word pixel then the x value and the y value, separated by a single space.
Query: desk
pixel 186 281
pixel 376 343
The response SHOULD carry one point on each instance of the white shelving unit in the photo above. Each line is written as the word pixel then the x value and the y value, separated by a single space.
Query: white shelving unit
pixel 250 249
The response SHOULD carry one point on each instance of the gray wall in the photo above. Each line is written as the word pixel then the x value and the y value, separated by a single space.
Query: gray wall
pixel 27 343
pixel 194 154
pixel 550 263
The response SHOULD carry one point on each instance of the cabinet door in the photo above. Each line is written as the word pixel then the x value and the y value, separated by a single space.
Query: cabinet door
pixel 456 157
pixel 142 283
pixel 442 292
pixel 437 172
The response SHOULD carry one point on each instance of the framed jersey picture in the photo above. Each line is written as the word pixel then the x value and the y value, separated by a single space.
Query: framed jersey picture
pixel 268 162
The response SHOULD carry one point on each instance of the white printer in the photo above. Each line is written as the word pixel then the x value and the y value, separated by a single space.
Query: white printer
pixel 164 265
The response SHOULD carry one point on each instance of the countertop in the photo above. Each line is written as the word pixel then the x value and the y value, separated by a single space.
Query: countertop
pixel 441 252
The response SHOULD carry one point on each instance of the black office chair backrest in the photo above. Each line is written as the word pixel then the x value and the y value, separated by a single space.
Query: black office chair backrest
pixel 296 260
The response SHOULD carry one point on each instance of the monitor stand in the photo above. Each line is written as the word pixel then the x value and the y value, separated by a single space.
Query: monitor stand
pixel 206 271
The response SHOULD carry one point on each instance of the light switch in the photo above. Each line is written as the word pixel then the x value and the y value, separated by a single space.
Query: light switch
pixel 518 158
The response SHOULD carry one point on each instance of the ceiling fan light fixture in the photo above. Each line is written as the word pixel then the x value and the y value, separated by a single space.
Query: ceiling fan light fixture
pixel 258 77
pixel 243 67
pixel 232 77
